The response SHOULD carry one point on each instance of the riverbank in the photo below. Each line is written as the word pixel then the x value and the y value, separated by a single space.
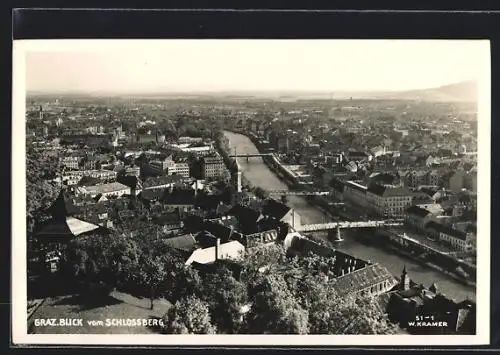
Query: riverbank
pixel 385 242
pixel 402 252
pixel 260 174
pixel 279 170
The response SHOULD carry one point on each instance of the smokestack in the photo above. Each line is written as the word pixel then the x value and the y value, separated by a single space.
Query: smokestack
pixel 217 249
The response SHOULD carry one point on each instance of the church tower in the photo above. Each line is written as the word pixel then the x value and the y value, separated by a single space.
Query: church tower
pixel 404 283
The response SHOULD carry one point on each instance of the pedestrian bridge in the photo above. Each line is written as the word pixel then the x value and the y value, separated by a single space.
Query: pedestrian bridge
pixel 252 155
pixel 298 193
pixel 347 224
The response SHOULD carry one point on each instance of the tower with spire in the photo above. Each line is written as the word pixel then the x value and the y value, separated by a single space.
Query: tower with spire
pixel 404 283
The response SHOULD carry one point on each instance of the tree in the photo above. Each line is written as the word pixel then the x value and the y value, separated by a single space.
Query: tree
pixel 40 191
pixel 189 315
pixel 108 259
pixel 274 309
pixel 225 297
pixel 261 193
pixel 311 282
pixel 256 258
pixel 368 318
pixel 229 194
pixel 151 273
pixel 184 281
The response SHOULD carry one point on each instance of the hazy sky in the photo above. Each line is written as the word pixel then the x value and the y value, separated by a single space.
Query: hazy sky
pixel 225 65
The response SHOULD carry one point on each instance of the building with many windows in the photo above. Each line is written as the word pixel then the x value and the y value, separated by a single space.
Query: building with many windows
pixel 160 166
pixel 213 167
pixel 355 193
pixel 73 177
pixel 389 201
pixel 133 171
pixel 71 162
pixel 114 189
pixel 169 166
pixel 180 168
pixel 457 239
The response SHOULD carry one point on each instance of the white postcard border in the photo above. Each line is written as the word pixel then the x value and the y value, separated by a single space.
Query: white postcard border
pixel 20 335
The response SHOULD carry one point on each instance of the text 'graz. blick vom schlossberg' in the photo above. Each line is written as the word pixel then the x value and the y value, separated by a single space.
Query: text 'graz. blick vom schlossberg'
pixel 110 322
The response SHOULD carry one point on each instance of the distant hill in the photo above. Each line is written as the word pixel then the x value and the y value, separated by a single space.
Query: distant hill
pixel 464 91
pixel 459 92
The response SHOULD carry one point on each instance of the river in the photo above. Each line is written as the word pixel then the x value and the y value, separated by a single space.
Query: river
pixel 258 174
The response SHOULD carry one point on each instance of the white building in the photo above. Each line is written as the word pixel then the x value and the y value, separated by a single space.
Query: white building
pixel 71 162
pixel 73 177
pixel 181 168
pixel 114 189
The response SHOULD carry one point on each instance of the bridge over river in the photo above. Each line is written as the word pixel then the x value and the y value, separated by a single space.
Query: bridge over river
pixel 260 175
pixel 315 227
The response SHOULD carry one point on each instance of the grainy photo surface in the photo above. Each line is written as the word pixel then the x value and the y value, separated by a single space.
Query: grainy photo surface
pixel 333 189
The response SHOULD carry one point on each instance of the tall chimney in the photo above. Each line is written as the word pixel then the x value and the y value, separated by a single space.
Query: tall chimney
pixel 217 249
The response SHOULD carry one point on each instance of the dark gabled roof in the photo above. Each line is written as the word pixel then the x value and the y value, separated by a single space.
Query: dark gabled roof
pixel 152 194
pixel 180 197
pixel 194 220
pixel 129 180
pixel 167 218
pixel 383 178
pixel 428 191
pixel 185 242
pixel 438 227
pixel 244 215
pixel 63 206
pixel 218 230
pixel 418 211
pixel 206 239
pixel 306 246
pixel 385 191
pixel 454 233
pixel 360 279
pixel 275 209
pixel 54 228
pixel 422 199
pixel 66 229
pixel 88 181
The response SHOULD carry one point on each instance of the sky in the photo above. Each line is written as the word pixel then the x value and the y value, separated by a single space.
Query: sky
pixel 249 65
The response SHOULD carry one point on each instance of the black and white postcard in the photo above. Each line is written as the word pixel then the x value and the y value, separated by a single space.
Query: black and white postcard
pixel 245 192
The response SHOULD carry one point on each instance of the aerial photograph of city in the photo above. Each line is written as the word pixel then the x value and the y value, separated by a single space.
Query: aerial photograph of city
pixel 252 187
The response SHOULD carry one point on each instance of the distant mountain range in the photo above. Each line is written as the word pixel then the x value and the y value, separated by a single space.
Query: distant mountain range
pixel 464 91
pixel 459 92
